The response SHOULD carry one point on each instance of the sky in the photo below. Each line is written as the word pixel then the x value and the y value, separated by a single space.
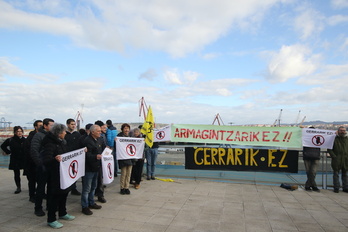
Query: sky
pixel 244 60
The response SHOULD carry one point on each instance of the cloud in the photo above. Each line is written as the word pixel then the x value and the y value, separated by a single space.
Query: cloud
pixel 175 27
pixel 177 77
pixel 339 4
pixel 150 74
pixel 337 19
pixel 290 62
pixel 8 69
pixel 210 56
pixel 309 22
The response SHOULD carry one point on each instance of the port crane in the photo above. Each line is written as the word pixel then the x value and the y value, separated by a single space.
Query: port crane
pixel 278 119
pixel 78 117
pixel 218 119
pixel 143 108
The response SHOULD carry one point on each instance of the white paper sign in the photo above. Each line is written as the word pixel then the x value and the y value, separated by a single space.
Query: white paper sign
pixel 129 148
pixel 163 134
pixel 318 138
pixel 108 166
pixel 72 167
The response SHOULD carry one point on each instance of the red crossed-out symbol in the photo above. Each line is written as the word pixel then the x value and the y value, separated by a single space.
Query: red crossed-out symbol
pixel 109 171
pixel 73 169
pixel 160 135
pixel 131 149
pixel 318 140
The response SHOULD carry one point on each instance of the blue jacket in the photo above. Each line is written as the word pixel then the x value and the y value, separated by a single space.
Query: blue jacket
pixel 111 134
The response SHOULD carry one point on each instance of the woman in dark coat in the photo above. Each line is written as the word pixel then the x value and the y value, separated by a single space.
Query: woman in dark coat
pixel 54 146
pixel 15 146
pixel 125 165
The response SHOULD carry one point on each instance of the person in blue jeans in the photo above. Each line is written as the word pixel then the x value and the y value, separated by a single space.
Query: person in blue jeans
pixel 93 162
pixel 151 158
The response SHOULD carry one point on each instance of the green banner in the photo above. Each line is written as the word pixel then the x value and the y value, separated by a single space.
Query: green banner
pixel 289 137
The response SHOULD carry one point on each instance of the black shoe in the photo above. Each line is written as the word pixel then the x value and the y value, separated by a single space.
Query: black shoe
pixel 39 213
pixel 316 189
pixel 123 191
pixel 308 189
pixel 32 199
pixel 127 191
pixel 336 190
pixel 101 199
pixel 148 178
pixel 75 192
pixel 345 190
pixel 87 211
pixel 153 178
pixel 18 190
pixel 95 206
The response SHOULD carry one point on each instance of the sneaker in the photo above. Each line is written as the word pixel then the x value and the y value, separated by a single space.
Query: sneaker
pixel 153 178
pixel 336 190
pixel 67 217
pixel 87 211
pixel 122 191
pixel 55 224
pixel 101 199
pixel 95 206
pixel 127 191
pixel 75 192
pixel 308 189
pixel 316 189
pixel 39 213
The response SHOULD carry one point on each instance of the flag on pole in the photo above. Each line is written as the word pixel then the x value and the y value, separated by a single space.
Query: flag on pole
pixel 148 127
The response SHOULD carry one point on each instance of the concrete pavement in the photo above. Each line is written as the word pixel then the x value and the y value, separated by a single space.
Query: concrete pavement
pixel 185 205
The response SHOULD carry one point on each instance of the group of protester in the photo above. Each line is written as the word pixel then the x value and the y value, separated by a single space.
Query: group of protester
pixel 41 152
pixel 339 162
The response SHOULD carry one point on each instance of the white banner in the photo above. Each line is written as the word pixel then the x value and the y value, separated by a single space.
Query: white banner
pixel 72 167
pixel 129 148
pixel 163 134
pixel 318 138
pixel 107 166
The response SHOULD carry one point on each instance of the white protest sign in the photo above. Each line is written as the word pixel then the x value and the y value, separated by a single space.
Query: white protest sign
pixel 162 134
pixel 129 148
pixel 107 166
pixel 72 167
pixel 318 138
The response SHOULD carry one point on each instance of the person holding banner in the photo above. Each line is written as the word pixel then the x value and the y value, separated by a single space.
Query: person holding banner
pixel 92 165
pixel 311 157
pixel 137 169
pixel 126 164
pixel 54 146
pixel 339 162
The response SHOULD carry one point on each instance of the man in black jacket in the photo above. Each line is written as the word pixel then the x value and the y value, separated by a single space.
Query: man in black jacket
pixel 41 177
pixel 311 157
pixel 72 139
pixel 31 169
pixel 92 165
